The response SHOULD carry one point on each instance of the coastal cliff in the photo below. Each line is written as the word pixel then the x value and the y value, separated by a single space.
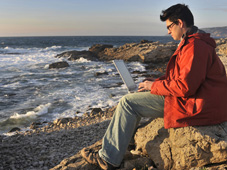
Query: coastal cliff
pixel 57 144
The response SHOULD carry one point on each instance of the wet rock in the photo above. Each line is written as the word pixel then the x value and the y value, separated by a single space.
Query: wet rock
pixel 61 64
pixel 35 125
pixel 95 111
pixel 14 129
pixel 101 73
pixel 75 55
pixel 145 41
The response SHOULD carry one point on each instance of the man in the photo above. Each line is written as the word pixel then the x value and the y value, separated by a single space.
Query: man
pixel 192 92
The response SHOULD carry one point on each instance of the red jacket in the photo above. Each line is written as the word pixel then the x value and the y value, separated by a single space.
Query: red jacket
pixel 195 84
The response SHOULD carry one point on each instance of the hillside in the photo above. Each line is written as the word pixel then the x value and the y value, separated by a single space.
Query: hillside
pixel 216 31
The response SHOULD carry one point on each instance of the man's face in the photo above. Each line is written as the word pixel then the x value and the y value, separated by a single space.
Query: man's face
pixel 174 29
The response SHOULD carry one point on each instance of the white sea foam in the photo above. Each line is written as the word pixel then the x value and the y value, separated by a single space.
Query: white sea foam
pixel 82 60
pixel 27 59
pixel 40 110
pixel 53 47
pixel 137 66
pixel 17 50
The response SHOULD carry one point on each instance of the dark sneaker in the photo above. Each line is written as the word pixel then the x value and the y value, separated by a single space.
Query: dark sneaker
pixel 93 157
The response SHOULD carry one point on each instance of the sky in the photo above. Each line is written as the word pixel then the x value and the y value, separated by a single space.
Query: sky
pixel 100 17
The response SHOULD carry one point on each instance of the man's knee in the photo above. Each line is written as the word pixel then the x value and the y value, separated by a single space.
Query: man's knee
pixel 127 99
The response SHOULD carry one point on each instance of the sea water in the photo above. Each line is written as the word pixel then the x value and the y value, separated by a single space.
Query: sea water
pixel 29 91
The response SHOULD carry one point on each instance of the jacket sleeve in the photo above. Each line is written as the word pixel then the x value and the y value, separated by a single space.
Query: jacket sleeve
pixel 191 66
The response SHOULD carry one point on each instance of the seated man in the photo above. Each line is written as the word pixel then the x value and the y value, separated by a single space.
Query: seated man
pixel 192 92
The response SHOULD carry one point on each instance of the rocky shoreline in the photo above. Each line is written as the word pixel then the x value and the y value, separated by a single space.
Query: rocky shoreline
pixel 57 144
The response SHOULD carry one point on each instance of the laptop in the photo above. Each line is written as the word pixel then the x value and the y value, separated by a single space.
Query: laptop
pixel 125 75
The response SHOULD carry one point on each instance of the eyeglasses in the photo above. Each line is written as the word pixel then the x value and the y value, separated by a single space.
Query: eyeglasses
pixel 170 26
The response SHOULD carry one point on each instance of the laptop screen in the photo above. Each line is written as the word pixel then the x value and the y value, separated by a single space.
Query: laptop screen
pixel 125 75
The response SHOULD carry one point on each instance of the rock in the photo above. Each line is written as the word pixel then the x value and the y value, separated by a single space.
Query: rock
pixel 62 120
pixel 95 111
pixel 14 129
pixel 183 148
pixel 61 64
pixel 145 41
pixel 97 48
pixel 35 125
pixel 101 73
pixel 75 55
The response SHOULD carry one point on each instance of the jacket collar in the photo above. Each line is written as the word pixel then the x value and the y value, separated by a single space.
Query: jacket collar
pixel 192 30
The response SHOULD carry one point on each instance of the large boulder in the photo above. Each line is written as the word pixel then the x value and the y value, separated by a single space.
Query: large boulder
pixel 61 64
pixel 183 148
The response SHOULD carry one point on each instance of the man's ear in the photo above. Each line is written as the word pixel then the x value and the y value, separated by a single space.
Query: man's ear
pixel 181 23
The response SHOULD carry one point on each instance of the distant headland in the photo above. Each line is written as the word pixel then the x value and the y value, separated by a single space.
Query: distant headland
pixel 216 31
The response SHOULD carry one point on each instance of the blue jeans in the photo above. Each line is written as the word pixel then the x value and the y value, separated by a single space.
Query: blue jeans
pixel 121 129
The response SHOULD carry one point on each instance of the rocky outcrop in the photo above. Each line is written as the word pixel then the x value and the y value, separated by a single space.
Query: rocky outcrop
pixel 145 52
pixel 61 64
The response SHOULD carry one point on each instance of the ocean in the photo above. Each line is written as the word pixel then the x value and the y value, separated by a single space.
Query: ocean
pixel 29 91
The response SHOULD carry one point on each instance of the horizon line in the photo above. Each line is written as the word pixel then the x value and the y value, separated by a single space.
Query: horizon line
pixel 84 36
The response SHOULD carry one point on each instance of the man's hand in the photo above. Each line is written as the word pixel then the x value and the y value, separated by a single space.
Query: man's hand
pixel 144 86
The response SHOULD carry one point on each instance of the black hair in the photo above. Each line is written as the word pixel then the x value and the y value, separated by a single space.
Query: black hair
pixel 178 11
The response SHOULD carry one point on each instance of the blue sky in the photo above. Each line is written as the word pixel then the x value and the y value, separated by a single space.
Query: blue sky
pixel 100 17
